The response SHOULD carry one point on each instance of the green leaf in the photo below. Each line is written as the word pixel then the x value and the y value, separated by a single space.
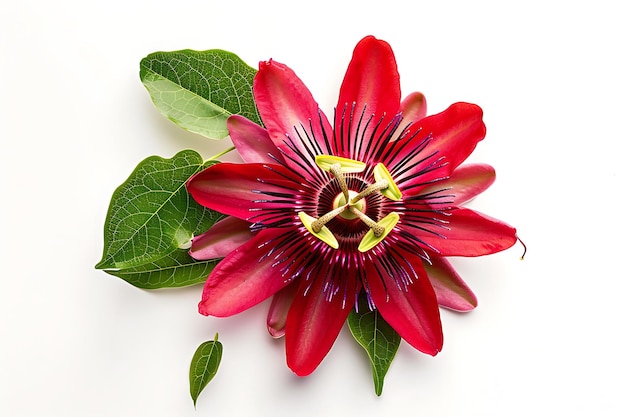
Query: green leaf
pixel 177 269
pixel 204 366
pixel 378 338
pixel 198 90
pixel 151 214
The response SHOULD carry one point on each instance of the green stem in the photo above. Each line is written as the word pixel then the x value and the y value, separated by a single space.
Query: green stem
pixel 213 158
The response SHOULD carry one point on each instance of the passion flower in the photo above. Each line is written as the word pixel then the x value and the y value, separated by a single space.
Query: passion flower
pixel 322 213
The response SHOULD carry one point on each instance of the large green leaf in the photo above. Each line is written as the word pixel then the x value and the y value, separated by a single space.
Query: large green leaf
pixel 151 214
pixel 204 366
pixel 177 269
pixel 378 338
pixel 198 90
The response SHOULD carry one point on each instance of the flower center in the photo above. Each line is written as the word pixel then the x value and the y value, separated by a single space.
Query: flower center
pixel 351 205
pixel 358 204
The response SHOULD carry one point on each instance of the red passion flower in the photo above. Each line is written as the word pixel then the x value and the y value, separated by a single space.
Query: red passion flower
pixel 370 204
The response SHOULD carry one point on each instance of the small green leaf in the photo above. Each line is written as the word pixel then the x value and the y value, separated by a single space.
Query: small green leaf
pixel 151 214
pixel 378 338
pixel 204 366
pixel 199 90
pixel 177 269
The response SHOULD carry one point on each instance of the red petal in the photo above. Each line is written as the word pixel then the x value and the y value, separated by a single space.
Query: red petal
pixel 235 189
pixel 454 132
pixel 277 314
pixel 221 239
pixel 285 104
pixel 372 84
pixel 466 182
pixel 313 323
pixel 452 292
pixel 243 279
pixel 251 140
pixel 413 107
pixel 413 311
pixel 469 233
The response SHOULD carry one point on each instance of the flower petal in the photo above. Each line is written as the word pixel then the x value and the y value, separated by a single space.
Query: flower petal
pixel 452 292
pixel 277 314
pixel 469 233
pixel 285 105
pixel 252 141
pixel 444 141
pixel 372 86
pixel 236 189
pixel 243 279
pixel 314 322
pixel 412 311
pixel 413 107
pixel 224 237
pixel 466 182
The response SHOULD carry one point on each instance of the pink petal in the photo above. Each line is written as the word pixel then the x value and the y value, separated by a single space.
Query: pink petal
pixel 222 238
pixel 277 314
pixel 413 107
pixel 454 132
pixel 372 85
pixel 413 311
pixel 469 233
pixel 452 292
pixel 313 324
pixel 235 189
pixel 285 104
pixel 251 140
pixel 243 279
pixel 466 182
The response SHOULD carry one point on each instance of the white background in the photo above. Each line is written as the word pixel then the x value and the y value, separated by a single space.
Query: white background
pixel 547 336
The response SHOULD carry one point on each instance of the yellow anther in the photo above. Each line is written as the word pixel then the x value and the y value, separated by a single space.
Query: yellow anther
pixel 347 166
pixel 323 233
pixel 372 239
pixel 392 191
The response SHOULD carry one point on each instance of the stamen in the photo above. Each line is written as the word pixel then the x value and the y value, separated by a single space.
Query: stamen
pixel 392 191
pixel 372 188
pixel 348 166
pixel 376 228
pixel 372 239
pixel 335 169
pixel 324 234
pixel 319 223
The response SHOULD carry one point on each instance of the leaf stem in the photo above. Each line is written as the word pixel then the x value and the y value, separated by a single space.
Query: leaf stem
pixel 224 152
